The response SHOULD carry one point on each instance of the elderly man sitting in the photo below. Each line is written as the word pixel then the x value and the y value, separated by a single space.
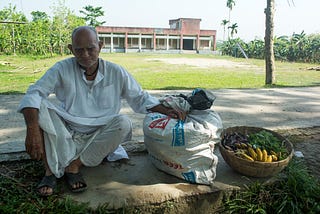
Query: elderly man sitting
pixel 86 125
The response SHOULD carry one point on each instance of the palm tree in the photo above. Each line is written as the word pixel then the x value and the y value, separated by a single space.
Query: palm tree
pixel 230 4
pixel 224 24
pixel 268 40
pixel 234 29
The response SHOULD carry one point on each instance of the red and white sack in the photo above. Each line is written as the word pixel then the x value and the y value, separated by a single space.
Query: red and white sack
pixel 184 148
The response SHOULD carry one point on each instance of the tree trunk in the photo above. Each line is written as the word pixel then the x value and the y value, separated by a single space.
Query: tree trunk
pixel 268 40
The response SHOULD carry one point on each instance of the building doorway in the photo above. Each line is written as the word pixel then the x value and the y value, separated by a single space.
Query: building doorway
pixel 187 44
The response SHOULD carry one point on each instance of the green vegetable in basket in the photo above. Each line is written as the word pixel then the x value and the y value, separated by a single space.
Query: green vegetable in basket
pixel 266 140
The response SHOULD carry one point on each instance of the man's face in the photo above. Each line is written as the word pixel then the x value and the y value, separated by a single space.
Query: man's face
pixel 85 48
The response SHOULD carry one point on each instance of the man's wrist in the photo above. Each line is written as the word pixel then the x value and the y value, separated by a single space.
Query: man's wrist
pixel 33 126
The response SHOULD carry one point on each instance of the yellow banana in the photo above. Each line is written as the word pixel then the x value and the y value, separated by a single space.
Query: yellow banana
pixel 264 155
pixel 247 157
pixel 269 158
pixel 274 158
pixel 252 153
pixel 259 154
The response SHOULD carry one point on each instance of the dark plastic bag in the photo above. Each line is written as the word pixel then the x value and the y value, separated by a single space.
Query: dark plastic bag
pixel 200 99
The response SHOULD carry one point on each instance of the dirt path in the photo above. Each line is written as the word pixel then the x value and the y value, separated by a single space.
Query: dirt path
pixel 204 63
pixel 306 140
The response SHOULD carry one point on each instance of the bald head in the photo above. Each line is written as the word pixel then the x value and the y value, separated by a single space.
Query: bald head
pixel 84 28
pixel 86 46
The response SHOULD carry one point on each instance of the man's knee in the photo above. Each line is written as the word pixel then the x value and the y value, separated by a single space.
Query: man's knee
pixel 125 124
pixel 119 125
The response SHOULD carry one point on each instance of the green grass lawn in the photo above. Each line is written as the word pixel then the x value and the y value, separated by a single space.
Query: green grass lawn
pixel 18 72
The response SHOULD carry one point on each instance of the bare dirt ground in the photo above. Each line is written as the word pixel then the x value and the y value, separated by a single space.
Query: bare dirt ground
pixel 204 63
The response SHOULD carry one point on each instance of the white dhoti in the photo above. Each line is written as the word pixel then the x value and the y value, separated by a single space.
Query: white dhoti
pixel 63 145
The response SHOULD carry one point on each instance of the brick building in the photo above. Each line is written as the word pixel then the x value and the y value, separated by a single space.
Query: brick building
pixel 184 34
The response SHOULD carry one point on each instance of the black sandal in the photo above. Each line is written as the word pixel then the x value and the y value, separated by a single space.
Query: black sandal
pixel 47 181
pixel 75 178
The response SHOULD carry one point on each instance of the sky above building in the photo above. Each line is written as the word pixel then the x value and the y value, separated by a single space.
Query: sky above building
pixel 292 16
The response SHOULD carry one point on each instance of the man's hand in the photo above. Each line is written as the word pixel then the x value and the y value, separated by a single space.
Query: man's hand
pixel 34 142
pixel 174 113
pixel 34 138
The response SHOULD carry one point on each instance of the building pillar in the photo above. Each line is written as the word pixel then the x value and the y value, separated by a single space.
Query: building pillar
pixel 140 42
pixel 154 41
pixel 167 48
pixel 214 42
pixel 111 43
pixel 181 42
pixel 198 42
pixel 126 42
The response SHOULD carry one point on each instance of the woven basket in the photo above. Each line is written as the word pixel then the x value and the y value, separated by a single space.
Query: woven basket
pixel 254 168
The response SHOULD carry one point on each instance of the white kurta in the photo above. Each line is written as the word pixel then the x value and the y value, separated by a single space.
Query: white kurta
pixel 85 105
pixel 85 108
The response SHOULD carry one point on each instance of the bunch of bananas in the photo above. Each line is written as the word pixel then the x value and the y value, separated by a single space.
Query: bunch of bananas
pixel 248 152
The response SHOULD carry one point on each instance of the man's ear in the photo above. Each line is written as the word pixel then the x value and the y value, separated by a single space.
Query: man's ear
pixel 70 48
pixel 100 45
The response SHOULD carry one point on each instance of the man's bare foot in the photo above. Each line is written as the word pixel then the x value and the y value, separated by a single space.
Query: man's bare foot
pixel 47 185
pixel 75 181
pixel 74 178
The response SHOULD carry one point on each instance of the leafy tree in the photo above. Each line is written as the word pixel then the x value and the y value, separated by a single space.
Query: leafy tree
pixel 230 47
pixel 39 16
pixel 234 29
pixel 314 48
pixel 73 21
pixel 224 24
pixel 299 43
pixel 38 37
pixel 280 47
pixel 296 48
pixel 11 32
pixel 255 49
pixel 91 14
pixel 61 29
pixel 5 35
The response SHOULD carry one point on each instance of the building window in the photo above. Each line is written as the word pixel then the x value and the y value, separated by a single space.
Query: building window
pixel 174 44
pixel 118 42
pixel 205 45
pixel 161 44
pixel 146 43
pixel 107 42
pixel 133 42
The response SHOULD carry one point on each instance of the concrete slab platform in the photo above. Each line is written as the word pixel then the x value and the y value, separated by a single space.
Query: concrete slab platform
pixel 137 182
